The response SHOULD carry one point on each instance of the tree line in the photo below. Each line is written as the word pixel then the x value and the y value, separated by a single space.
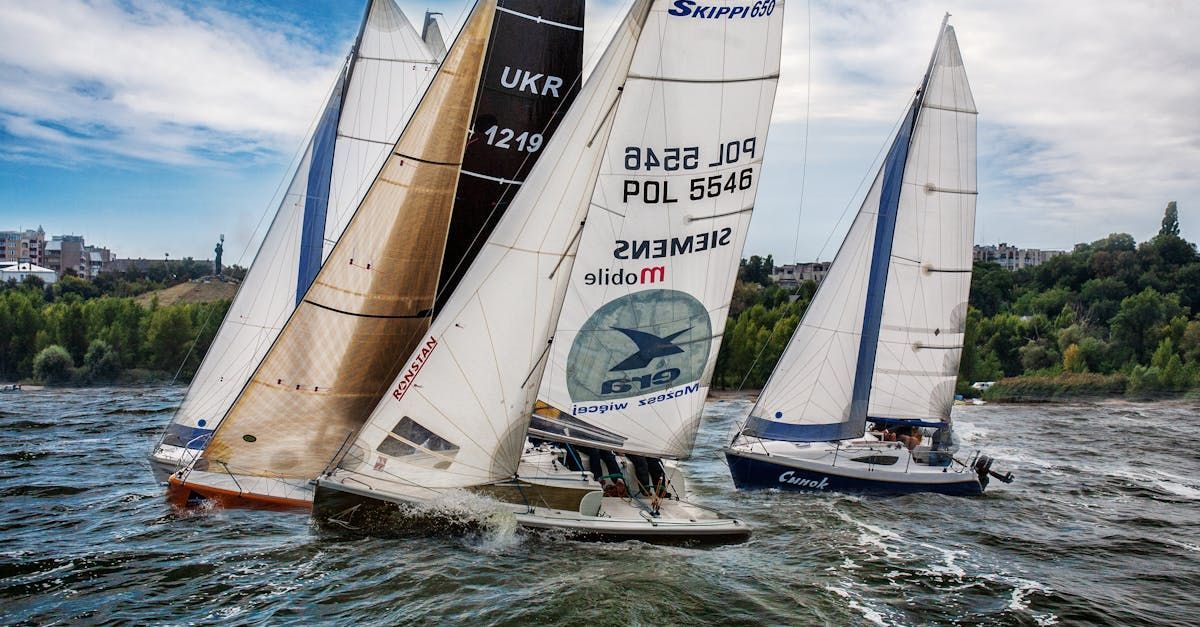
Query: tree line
pixel 79 331
pixel 1113 316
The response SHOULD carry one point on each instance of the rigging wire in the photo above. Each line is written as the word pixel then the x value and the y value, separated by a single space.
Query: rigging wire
pixel 803 182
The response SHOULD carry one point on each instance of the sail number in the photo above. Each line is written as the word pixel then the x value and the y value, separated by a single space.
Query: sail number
pixel 699 188
pixel 508 139
pixel 687 157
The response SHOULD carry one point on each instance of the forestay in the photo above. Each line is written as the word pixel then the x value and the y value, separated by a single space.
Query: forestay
pixel 372 299
pixel 457 415
pixel 883 335
pixel 386 72
pixel 649 294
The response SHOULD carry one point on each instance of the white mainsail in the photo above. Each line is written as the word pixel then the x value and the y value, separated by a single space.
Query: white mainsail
pixel 388 69
pixel 649 293
pixel 457 415
pixel 883 335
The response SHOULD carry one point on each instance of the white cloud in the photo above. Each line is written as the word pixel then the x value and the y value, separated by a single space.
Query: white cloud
pixel 1088 111
pixel 151 81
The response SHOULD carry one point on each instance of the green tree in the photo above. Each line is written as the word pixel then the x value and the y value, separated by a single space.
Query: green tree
pixel 1170 221
pixel 168 335
pixel 101 362
pixel 1139 322
pixel 53 365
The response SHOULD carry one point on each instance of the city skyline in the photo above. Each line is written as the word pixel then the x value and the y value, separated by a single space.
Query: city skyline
pixel 1083 129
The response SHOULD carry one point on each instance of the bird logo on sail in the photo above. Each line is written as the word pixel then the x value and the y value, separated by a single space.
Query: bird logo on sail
pixel 649 348
pixel 637 344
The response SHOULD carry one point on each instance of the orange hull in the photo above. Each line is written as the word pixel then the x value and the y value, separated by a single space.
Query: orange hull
pixel 183 494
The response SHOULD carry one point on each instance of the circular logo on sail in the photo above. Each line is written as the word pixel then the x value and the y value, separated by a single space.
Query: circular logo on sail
pixel 637 344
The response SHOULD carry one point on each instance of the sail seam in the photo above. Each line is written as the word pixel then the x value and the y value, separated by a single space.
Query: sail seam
pixel 539 19
pixel 420 314
pixel 665 79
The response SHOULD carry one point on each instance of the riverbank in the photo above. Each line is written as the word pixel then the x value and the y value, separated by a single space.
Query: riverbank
pixel 1075 387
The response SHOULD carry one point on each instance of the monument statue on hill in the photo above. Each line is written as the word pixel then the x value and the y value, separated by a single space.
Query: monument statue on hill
pixel 217 260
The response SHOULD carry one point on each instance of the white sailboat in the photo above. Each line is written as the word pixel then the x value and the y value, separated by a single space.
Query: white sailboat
pixel 658 158
pixel 389 64
pixel 373 298
pixel 881 342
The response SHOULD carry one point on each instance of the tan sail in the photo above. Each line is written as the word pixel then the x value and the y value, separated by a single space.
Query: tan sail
pixel 370 304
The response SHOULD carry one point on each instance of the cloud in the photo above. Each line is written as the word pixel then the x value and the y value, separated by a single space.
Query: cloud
pixel 1087 110
pixel 83 80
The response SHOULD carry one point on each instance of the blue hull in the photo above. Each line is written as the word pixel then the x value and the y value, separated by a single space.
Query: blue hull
pixel 756 474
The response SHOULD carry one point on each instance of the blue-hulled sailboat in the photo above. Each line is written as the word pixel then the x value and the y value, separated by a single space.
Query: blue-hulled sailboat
pixel 860 400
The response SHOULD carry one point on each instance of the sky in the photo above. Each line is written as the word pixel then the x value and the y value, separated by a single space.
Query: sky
pixel 154 127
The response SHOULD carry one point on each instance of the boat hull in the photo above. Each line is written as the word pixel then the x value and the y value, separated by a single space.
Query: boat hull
pixel 752 471
pixel 182 492
pixel 345 509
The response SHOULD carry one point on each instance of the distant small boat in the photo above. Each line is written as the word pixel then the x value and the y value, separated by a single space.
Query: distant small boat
pixel 13 387
pixel 881 342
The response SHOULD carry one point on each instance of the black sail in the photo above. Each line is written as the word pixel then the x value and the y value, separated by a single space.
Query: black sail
pixel 531 74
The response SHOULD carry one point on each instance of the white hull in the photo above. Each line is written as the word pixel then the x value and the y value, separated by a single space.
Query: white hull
pixel 346 503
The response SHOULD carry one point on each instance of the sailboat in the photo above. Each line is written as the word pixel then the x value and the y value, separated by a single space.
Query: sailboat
pixel 478 128
pixel 387 65
pixel 881 341
pixel 650 178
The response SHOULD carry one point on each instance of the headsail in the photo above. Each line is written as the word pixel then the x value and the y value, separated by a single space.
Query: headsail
pixel 533 72
pixel 457 415
pixel 649 294
pixel 387 65
pixel 883 335
pixel 371 300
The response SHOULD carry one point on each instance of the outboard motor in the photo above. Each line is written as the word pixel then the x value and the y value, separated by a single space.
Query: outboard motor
pixel 983 468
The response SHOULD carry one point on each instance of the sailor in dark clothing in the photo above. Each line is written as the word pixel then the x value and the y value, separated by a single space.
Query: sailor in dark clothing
pixel 650 474
pixel 613 481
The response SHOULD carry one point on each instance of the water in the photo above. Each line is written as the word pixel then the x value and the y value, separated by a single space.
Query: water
pixel 1102 526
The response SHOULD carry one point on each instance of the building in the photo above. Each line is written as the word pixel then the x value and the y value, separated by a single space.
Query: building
pixel 793 274
pixel 17 271
pixel 68 252
pixel 99 260
pixel 1013 258
pixel 28 245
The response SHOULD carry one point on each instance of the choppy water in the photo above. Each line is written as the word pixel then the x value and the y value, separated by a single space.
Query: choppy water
pixel 1102 526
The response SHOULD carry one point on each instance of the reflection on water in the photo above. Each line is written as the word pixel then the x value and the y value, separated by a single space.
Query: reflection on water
pixel 1102 525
